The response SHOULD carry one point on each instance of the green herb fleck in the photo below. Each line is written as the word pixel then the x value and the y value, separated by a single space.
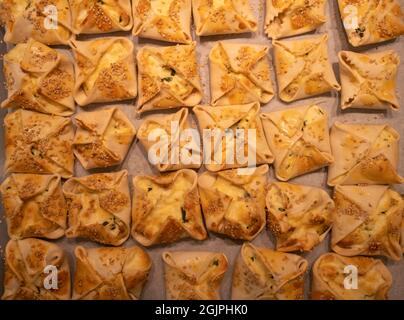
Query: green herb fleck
pixel 282 209
pixel 167 79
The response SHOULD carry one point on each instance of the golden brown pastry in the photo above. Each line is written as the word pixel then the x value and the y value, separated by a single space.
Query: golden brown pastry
pixel 105 70
pixel 39 78
pixel 103 138
pixel 364 153
pixel 367 221
pixel 168 77
pixel 240 73
pixel 99 207
pixel 374 279
pixel 299 139
pixel 166 208
pixel 25 271
pixel 110 273
pixel 265 274
pixel 38 143
pixel 233 204
pixel 298 216
pixel 194 275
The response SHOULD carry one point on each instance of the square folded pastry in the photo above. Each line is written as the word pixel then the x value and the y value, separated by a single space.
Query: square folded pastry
pixel 105 70
pixel 303 68
pixel 102 138
pixel 24 275
pixel 367 221
pixel 371 21
pixel 299 139
pixel 222 128
pixel 168 77
pixel 39 78
pixel 47 21
pixel 166 208
pixel 234 204
pixel 165 20
pixel 194 275
pixel 34 206
pixel 214 17
pixel 110 273
pixel 364 153
pixel 101 16
pixel 99 207
pixel 328 280
pixel 369 80
pixel 170 130
pixel 265 274
pixel 38 143
pixel 287 18
pixel 298 216
pixel 240 73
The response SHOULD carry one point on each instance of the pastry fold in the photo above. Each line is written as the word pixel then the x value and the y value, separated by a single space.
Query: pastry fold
pixel 299 139
pixel 34 206
pixel 25 271
pixel 328 280
pixel 103 138
pixel 110 273
pixel 367 221
pixel 299 216
pixel 38 143
pixel 226 146
pixel 105 70
pixel 165 20
pixel 99 207
pixel 166 208
pixel 364 154
pixel 233 204
pixel 303 68
pixel 369 80
pixel 240 73
pixel 194 275
pixel 39 78
pixel 168 77
pixel 292 17
pixel 265 274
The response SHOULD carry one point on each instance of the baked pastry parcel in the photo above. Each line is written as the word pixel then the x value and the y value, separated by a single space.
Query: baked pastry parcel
pixel 99 207
pixel 240 73
pixel 103 138
pixel 367 221
pixel 168 77
pixel 292 17
pixel 105 70
pixel 39 78
pixel 165 20
pixel 225 145
pixel 110 273
pixel 369 80
pixel 25 271
pixel 170 130
pixel 214 17
pixel 373 21
pixel 95 16
pixel 166 208
pixel 38 143
pixel 303 68
pixel 193 275
pixel 265 274
pixel 46 21
pixel 364 153
pixel 34 206
pixel 299 216
pixel 234 204
pixel 299 139
pixel 374 280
